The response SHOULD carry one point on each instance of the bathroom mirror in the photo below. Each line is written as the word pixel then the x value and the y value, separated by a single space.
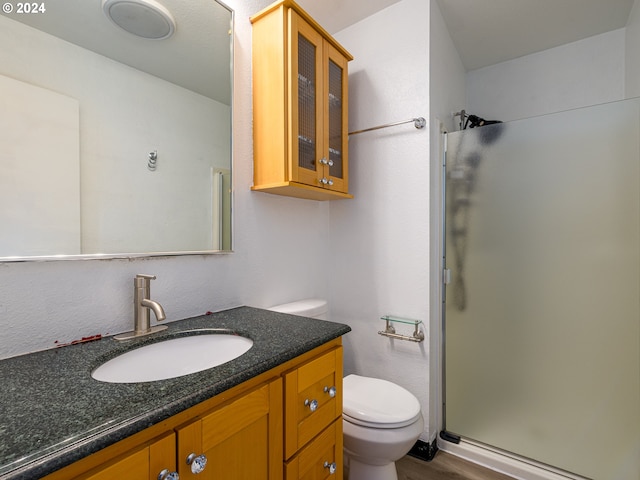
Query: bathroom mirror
pixel 112 143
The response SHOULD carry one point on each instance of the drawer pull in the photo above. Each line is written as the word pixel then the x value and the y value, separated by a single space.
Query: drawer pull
pixel 167 475
pixel 331 391
pixel 197 462
pixel 312 404
pixel 331 466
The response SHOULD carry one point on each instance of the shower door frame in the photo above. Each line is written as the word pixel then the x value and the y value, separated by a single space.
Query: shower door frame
pixel 501 460
pixel 496 457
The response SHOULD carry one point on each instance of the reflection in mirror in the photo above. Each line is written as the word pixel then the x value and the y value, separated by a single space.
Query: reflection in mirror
pixel 113 144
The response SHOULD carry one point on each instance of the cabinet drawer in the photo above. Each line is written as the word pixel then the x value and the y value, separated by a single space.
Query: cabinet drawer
pixel 310 403
pixel 320 458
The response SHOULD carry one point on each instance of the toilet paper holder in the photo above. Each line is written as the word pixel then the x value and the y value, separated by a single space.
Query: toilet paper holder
pixel 390 331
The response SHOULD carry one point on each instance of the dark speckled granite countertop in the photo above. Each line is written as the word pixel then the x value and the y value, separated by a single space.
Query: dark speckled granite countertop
pixel 53 413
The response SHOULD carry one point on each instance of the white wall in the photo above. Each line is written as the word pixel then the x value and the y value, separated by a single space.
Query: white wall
pixel 280 251
pixel 379 254
pixel 578 74
pixel 632 52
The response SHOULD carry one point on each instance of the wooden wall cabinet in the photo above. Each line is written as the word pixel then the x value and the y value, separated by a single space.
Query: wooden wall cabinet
pixel 300 100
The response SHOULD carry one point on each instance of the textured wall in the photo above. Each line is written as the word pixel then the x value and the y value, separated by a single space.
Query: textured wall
pixel 578 74
pixel 379 255
pixel 280 246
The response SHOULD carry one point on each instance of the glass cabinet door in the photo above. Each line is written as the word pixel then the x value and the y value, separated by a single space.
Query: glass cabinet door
pixel 307 109
pixel 336 120
pixel 319 114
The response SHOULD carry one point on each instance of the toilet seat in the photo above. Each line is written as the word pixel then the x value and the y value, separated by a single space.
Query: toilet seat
pixel 377 403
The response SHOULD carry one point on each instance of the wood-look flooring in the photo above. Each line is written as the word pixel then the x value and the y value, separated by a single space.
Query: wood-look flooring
pixel 444 467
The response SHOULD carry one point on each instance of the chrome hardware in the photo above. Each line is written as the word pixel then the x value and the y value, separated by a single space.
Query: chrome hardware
pixel 323 180
pixel 324 161
pixel 446 276
pixel 313 404
pixel 197 463
pixel 153 160
pixel 330 182
pixel 142 304
pixel 389 331
pixel 418 122
pixel 331 466
pixel 330 390
pixel 167 475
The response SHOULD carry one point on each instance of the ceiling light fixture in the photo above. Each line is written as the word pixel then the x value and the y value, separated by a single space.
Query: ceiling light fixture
pixel 144 18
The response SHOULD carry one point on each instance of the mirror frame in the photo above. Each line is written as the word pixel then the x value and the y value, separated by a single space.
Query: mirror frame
pixel 133 255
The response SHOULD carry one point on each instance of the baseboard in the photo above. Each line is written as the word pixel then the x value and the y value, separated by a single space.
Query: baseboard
pixel 424 450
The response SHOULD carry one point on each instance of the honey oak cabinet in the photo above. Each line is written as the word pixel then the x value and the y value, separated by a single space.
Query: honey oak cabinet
pixel 300 99
pixel 243 432
pixel 240 440
pixel 313 419
pixel 151 460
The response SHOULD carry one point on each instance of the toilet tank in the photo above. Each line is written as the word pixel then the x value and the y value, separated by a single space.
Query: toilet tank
pixel 311 307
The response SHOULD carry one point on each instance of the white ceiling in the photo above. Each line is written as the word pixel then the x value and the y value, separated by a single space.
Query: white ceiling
pixel 335 15
pixel 487 32
pixel 197 56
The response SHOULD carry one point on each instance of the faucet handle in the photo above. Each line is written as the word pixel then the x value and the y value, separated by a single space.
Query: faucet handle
pixel 149 277
pixel 143 281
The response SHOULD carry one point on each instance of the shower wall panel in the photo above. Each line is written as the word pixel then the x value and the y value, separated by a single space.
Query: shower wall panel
pixel 542 317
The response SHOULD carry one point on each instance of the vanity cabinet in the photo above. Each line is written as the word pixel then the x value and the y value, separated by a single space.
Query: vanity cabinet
pixel 300 99
pixel 240 440
pixel 145 462
pixel 262 429
pixel 313 418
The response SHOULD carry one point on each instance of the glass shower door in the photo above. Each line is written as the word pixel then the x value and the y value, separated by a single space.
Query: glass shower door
pixel 542 316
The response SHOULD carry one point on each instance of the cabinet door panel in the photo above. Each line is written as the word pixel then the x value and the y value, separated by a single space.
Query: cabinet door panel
pixel 306 103
pixel 336 118
pixel 242 440
pixel 147 462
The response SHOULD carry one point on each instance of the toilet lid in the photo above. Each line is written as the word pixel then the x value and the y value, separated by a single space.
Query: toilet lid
pixel 378 403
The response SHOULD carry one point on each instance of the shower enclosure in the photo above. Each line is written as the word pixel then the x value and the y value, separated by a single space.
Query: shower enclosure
pixel 542 304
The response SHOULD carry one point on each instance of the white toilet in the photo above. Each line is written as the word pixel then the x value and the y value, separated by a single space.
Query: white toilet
pixel 381 420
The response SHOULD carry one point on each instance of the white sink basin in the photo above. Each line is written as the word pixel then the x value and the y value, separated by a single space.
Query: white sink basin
pixel 172 358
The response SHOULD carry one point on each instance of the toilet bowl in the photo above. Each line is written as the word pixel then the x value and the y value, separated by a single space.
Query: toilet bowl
pixel 381 422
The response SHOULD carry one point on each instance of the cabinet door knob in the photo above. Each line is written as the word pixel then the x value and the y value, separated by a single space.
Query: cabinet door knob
pixel 331 466
pixel 312 404
pixel 329 182
pixel 197 462
pixel 324 161
pixel 331 391
pixel 323 181
pixel 167 475
pixel 330 163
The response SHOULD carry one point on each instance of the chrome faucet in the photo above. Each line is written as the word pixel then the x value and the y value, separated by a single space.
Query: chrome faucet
pixel 142 305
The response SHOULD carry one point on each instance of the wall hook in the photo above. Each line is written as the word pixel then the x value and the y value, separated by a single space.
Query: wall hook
pixel 153 158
